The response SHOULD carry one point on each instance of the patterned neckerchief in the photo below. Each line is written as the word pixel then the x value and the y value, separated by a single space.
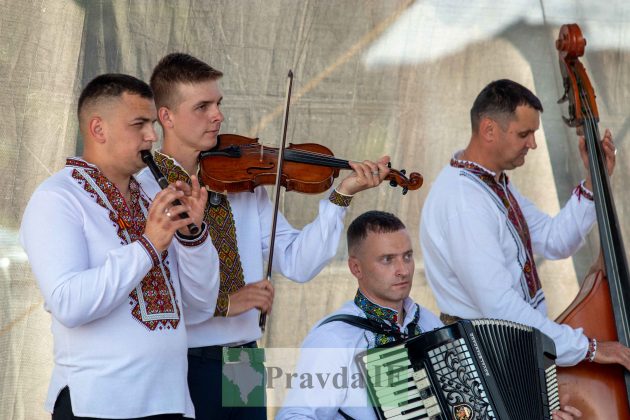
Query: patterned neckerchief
pixel 388 318
pixel 153 301
pixel 514 214
pixel 220 221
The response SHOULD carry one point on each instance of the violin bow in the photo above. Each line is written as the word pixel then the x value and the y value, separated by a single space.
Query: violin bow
pixel 262 320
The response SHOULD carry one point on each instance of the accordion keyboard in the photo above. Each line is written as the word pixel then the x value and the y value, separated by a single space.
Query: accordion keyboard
pixel 401 392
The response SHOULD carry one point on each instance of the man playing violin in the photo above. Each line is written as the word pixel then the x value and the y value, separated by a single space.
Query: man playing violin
pixel 110 272
pixel 479 234
pixel 188 99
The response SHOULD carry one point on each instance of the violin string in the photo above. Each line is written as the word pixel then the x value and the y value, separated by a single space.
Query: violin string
pixel 315 157
pixel 306 156
pixel 318 158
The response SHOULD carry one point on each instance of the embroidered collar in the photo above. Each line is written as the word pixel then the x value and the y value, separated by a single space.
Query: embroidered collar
pixel 128 216
pixel 77 162
pixel 373 310
pixel 171 169
pixel 389 317
pixel 482 172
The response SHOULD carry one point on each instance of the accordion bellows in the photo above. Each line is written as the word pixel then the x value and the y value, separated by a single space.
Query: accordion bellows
pixel 469 370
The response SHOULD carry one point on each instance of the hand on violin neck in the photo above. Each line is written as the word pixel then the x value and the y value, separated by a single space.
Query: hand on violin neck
pixel 366 174
pixel 257 295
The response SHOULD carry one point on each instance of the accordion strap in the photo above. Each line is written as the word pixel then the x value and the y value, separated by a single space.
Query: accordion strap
pixel 344 415
pixel 365 324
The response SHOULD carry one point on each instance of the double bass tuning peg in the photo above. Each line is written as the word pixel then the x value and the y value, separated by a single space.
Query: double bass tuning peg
pixel 564 98
pixel 569 121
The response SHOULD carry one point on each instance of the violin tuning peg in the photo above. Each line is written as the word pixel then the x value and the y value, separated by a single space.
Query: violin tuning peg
pixel 405 190
pixel 393 183
pixel 403 171
pixel 389 165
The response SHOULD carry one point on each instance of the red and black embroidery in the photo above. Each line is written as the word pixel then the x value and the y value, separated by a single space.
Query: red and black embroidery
pixel 148 246
pixel 153 302
pixel 196 241
pixel 581 191
pixel 514 214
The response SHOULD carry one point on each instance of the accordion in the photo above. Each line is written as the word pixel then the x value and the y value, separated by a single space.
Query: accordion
pixel 479 369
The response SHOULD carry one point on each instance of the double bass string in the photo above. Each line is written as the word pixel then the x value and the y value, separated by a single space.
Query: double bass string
pixel 592 136
pixel 601 185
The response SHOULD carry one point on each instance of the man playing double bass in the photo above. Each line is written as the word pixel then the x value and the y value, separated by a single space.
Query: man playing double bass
pixel 188 100
pixel 479 235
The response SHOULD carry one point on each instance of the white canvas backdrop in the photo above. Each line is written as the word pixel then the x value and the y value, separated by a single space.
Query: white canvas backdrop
pixel 372 77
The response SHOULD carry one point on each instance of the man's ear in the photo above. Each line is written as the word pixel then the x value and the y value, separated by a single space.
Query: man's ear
pixel 354 266
pixel 488 129
pixel 96 128
pixel 164 115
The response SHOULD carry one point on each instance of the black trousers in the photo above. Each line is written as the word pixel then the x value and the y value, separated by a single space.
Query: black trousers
pixel 205 371
pixel 63 410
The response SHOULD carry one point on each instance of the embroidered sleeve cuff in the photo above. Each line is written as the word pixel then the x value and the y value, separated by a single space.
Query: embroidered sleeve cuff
pixel 592 350
pixel 150 249
pixel 194 240
pixel 340 199
pixel 223 305
pixel 581 191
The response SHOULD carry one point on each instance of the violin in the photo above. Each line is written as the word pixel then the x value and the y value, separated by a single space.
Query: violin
pixel 602 307
pixel 239 163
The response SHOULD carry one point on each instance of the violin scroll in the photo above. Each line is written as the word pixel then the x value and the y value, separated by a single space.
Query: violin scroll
pixel 398 178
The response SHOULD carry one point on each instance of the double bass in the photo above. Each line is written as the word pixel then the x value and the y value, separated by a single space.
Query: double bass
pixel 601 306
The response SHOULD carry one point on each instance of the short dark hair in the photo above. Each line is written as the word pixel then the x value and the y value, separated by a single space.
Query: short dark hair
pixel 112 85
pixel 372 221
pixel 178 68
pixel 499 101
